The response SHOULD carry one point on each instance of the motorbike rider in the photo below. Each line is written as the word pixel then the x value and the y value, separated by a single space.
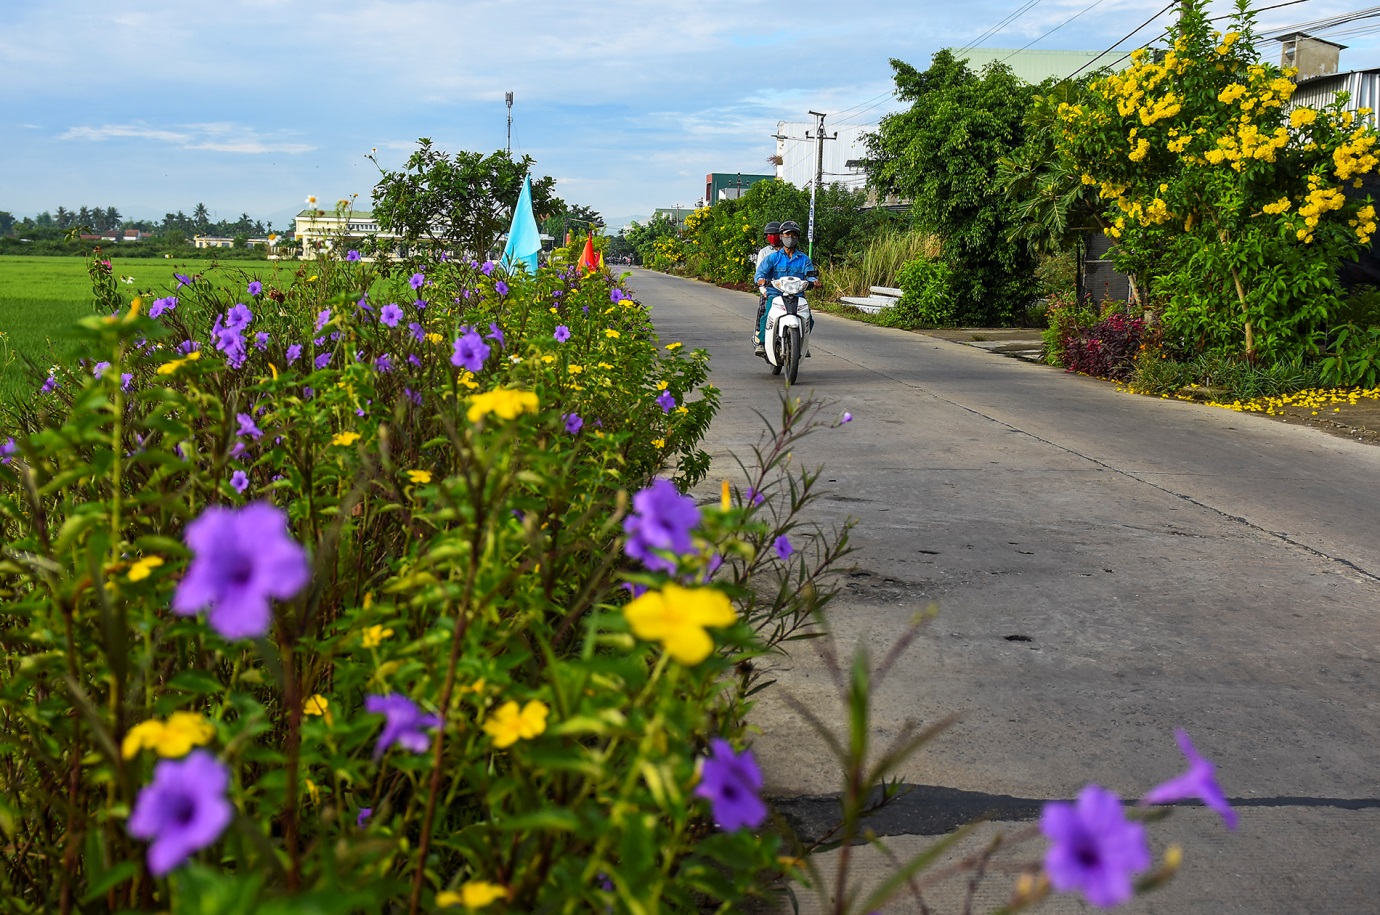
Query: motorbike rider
pixel 773 233
pixel 788 261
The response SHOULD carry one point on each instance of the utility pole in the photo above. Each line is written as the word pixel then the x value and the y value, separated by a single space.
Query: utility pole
pixel 508 98
pixel 819 139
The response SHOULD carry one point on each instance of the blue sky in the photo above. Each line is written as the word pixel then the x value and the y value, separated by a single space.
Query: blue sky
pixel 251 105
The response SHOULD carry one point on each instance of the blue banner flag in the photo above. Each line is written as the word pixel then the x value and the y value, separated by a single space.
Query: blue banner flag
pixel 524 239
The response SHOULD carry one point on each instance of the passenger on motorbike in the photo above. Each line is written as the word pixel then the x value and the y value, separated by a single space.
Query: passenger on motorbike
pixel 788 261
pixel 773 233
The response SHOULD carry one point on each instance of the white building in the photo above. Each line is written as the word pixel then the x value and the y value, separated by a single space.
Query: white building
pixel 796 153
pixel 324 230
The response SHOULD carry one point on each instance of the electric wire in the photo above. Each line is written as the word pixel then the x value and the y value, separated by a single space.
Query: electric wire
pixel 1169 6
pixel 1012 17
pixel 1096 3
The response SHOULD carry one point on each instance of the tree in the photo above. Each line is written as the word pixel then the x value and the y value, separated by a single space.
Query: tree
pixel 6 222
pixel 63 218
pixel 465 200
pixel 1238 211
pixel 942 153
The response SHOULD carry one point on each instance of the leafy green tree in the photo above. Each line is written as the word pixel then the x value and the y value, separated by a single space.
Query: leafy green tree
pixel 6 222
pixel 643 237
pixel 942 153
pixel 465 200
pixel 201 218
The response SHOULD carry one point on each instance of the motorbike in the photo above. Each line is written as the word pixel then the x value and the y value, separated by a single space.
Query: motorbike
pixel 787 339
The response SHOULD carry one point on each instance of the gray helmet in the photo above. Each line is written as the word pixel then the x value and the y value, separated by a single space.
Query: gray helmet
pixel 790 225
pixel 773 228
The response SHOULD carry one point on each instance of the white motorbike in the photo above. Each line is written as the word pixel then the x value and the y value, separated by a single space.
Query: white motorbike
pixel 787 339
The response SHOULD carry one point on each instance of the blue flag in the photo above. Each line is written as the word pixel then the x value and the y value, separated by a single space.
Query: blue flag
pixel 524 240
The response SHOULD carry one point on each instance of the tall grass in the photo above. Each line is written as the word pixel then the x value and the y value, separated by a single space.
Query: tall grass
pixel 879 263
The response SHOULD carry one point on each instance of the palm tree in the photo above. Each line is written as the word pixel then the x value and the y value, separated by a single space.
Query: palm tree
pixel 64 217
pixel 201 218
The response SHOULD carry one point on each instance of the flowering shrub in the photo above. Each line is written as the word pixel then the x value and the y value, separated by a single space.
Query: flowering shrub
pixel 307 596
pixel 1231 201
pixel 1107 349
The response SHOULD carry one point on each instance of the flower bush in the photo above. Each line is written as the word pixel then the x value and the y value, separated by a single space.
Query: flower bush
pixel 1231 201
pixel 1107 349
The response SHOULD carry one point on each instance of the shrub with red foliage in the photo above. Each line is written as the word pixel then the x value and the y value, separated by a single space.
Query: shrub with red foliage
pixel 1107 349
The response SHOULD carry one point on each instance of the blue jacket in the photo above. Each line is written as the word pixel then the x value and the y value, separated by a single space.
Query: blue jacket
pixel 783 263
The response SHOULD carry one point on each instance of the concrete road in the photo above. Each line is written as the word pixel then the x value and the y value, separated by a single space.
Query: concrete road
pixel 1107 567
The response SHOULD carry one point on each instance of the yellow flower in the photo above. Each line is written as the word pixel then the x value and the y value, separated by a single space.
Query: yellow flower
pixel 658 443
pixel 1141 150
pixel 475 894
pixel 419 476
pixel 508 725
pixel 725 497
pixel 168 368
pixel 1301 117
pixel 345 438
pixel 672 347
pixel 320 706
pixel 505 403
pixel 312 278
pixel 612 334
pixel 1279 206
pixel 144 567
pixel 676 617
pixel 575 369
pixel 434 338
pixel 173 738
pixel 374 636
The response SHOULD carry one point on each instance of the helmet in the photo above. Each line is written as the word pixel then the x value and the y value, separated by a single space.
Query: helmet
pixel 790 225
pixel 773 228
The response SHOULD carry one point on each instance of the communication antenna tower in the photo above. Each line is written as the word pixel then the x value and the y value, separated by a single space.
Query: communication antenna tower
pixel 508 98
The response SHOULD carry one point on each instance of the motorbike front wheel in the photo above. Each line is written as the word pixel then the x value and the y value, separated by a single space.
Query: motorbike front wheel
pixel 792 353
pixel 779 353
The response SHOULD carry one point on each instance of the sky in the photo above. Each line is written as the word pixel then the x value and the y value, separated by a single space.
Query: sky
pixel 153 106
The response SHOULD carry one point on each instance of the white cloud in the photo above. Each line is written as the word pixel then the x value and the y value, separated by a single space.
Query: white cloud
pixel 216 137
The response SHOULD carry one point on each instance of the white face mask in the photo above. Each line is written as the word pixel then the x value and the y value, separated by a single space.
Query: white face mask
pixel 788 240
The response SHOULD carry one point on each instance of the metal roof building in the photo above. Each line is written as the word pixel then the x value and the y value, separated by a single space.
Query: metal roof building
pixel 1038 66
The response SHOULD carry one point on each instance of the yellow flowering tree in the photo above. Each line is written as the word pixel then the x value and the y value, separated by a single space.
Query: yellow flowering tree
pixel 1228 201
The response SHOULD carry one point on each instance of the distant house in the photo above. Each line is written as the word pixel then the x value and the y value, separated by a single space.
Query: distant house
pixel 729 185
pixel 212 241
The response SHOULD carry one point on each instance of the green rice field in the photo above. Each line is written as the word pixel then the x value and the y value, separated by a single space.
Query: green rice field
pixel 41 298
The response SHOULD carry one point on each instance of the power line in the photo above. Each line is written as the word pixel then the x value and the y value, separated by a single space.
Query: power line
pixel 1020 11
pixel 1053 30
pixel 1167 8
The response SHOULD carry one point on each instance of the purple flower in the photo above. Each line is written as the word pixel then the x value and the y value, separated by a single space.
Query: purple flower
pixel 783 548
pixel 383 364
pixel 1093 848
pixel 364 814
pixel 187 347
pixel 182 280
pixel 294 352
pixel 308 392
pixel 391 314
pixel 1198 782
pixel 495 334
pixel 322 360
pixel 126 379
pixel 323 317
pixel 731 782
pixel 414 360
pixel 418 331
pixel 419 304
pixel 846 417
pixel 255 287
pixel 753 496
pixel 237 450
pixel 404 725
pixel 352 256
pixel 230 341
pixel 7 450
pixel 470 351
pixel 261 340
pixel 417 281
pixel 50 385
pixel 240 559
pixel 364 303
pixel 562 333
pixel 183 810
pixel 239 480
pixel 247 426
pixel 161 305
pixel 487 269
pixel 501 288
pixel 666 401
pixel 99 368
pixel 616 296
pixel 413 396
pixel 661 520
pixel 634 588
pixel 573 423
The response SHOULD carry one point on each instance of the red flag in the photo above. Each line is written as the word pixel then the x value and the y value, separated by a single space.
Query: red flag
pixel 588 259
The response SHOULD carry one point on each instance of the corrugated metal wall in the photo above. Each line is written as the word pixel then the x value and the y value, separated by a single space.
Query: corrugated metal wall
pixel 1363 85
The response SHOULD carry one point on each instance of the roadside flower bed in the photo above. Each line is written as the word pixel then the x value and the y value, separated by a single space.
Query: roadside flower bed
pixel 332 600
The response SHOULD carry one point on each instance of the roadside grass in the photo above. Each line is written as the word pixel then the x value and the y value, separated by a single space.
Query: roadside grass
pixel 42 298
